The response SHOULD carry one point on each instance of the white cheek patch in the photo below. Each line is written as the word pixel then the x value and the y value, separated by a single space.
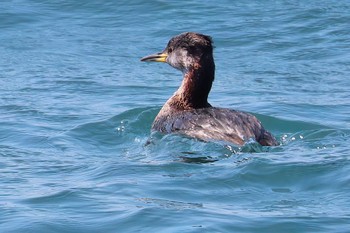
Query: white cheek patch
pixel 188 62
pixel 180 60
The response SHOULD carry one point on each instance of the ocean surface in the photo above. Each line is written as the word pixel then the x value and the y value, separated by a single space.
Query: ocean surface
pixel 76 107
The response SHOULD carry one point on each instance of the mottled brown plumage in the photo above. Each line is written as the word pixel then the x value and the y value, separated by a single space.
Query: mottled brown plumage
pixel 188 111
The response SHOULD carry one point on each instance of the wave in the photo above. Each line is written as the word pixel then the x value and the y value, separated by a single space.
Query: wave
pixel 129 133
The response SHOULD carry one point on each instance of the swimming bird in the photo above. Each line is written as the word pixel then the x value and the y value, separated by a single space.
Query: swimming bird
pixel 188 112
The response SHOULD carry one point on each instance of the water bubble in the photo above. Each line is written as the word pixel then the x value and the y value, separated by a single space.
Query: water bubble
pixel 120 128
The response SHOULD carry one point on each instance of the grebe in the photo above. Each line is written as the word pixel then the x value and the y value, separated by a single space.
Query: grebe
pixel 188 111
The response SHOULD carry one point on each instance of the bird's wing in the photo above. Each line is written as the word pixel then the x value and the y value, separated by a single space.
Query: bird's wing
pixel 215 124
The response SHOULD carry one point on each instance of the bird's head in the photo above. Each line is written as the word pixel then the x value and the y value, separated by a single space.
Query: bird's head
pixel 185 51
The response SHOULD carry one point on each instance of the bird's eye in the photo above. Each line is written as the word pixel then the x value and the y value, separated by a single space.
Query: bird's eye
pixel 170 50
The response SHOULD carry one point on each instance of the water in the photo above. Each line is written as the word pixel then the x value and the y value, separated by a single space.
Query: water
pixel 77 105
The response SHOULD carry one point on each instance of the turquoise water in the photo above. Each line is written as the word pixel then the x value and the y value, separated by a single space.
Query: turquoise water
pixel 76 106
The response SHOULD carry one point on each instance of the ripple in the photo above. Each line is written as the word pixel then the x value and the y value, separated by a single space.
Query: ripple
pixel 177 205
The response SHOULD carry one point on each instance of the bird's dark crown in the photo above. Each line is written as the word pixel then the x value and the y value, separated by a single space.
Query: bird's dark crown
pixel 191 41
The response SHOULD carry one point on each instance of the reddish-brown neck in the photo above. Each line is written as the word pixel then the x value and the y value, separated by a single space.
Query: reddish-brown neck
pixel 196 85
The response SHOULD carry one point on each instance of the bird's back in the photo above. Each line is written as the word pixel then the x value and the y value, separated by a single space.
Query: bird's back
pixel 215 124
